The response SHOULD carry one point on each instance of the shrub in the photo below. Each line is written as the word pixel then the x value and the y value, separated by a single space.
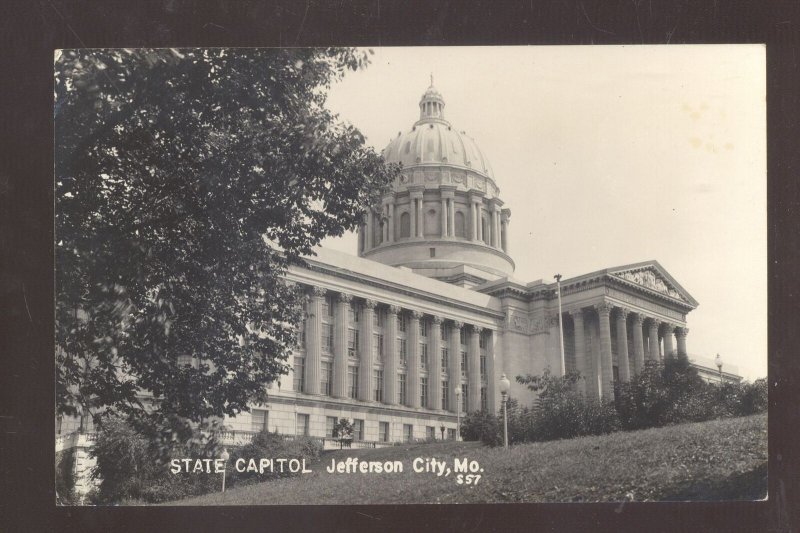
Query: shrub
pixel 272 446
pixel 753 398
pixel 128 471
pixel 562 412
pixel 482 426
pixel 65 478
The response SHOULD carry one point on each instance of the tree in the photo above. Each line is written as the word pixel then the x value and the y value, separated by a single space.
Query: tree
pixel 187 182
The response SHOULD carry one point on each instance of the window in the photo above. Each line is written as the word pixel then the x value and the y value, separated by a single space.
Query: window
pixel 352 381
pixel 408 432
pixel 405 225
pixel 327 338
pixel 330 423
pixel 301 332
pixel 378 319
pixel 401 323
pixel 484 399
pixel 462 336
pixel 430 432
pixel 463 364
pixel 464 394
pixel 445 353
pixel 445 395
pixel 481 341
pixel 401 389
pixel 327 306
pixel 258 420
pixel 432 252
pixel 325 377
pixel 423 392
pixel 353 313
pixel 483 366
pixel 460 224
pixel 302 424
pixel 378 385
pixel 299 374
pixel 358 429
pixel 423 328
pixel 402 350
pixel 377 347
pixel 352 343
pixel 444 331
pixel 451 433
pixel 423 355
pixel 383 431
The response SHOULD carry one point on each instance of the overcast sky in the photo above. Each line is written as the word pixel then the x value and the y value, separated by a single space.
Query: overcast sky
pixel 608 156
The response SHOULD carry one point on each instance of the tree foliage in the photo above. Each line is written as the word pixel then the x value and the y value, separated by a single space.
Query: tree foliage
pixel 187 182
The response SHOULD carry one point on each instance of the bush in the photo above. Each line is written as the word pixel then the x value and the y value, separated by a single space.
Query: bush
pixel 272 446
pixel 65 478
pixel 562 412
pixel 128 471
pixel 482 426
pixel 753 398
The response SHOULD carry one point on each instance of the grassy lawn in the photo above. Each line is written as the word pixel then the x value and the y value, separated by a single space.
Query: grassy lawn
pixel 720 459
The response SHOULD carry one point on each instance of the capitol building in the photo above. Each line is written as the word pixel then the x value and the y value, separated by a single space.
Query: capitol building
pixel 418 327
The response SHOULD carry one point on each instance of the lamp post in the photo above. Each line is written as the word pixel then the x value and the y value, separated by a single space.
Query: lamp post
pixel 504 386
pixel 560 326
pixel 224 456
pixel 718 361
pixel 458 412
pixel 441 428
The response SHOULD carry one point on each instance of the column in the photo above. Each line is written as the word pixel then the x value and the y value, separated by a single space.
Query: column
pixel 313 340
pixel 680 334
pixel 638 343
pixel 606 370
pixel 390 356
pixel 668 346
pixel 473 220
pixel 622 345
pixel 491 378
pixel 585 368
pixel 454 362
pixel 365 352
pixel 420 217
pixel 480 222
pixel 451 216
pixel 340 346
pixel 653 353
pixel 474 369
pixel 412 371
pixel 390 215
pixel 443 216
pixel 413 216
pixel 505 217
pixel 435 364
pixel 496 227
pixel 368 231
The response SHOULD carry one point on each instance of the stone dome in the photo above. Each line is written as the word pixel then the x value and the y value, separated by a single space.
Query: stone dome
pixel 443 216
pixel 433 140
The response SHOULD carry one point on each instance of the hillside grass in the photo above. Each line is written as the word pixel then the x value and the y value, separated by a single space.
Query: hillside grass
pixel 715 460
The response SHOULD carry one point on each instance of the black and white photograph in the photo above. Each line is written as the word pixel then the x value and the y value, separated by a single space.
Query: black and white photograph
pixel 410 275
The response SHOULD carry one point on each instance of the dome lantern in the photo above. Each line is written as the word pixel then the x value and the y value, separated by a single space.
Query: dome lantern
pixel 431 105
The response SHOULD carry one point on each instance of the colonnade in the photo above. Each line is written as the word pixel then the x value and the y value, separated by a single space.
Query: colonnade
pixel 382 371
pixel 646 336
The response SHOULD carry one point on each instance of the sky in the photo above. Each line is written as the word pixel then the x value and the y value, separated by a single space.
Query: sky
pixel 608 155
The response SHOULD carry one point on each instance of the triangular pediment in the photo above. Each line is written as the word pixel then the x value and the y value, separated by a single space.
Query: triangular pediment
pixel 654 277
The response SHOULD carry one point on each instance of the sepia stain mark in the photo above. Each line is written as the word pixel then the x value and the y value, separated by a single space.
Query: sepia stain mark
pixel 696 142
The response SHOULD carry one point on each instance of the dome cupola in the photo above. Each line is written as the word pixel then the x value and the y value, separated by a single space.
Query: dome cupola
pixel 444 216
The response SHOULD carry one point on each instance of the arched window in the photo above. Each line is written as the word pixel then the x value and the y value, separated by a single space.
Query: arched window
pixel 461 225
pixel 433 226
pixel 405 225
pixel 379 233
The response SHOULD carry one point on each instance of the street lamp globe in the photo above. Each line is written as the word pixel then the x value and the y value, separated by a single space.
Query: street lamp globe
pixel 718 361
pixel 505 385
pixel 225 455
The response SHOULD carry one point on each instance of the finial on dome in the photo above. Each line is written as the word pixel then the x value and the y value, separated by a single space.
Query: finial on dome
pixel 431 79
